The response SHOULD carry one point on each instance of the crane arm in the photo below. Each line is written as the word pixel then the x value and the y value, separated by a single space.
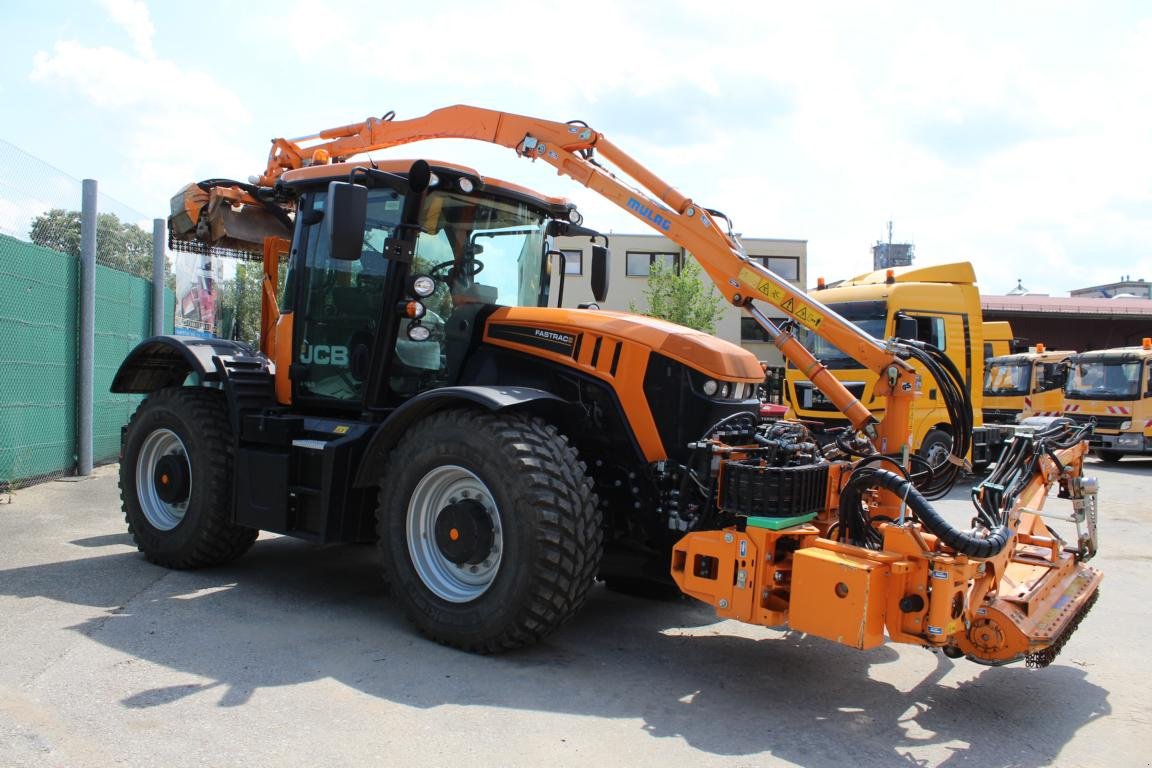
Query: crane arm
pixel 572 149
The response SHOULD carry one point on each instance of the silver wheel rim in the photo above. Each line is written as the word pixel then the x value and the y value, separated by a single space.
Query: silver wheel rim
pixel 938 454
pixel 439 488
pixel 159 513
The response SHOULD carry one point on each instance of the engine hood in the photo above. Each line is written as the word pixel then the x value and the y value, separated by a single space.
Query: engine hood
pixel 565 331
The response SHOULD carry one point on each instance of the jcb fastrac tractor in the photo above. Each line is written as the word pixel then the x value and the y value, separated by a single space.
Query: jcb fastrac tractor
pixel 420 383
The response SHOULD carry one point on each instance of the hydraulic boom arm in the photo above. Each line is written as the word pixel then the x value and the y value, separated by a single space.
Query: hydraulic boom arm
pixel 571 148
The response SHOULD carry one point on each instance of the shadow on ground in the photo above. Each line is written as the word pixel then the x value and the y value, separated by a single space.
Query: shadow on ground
pixel 289 613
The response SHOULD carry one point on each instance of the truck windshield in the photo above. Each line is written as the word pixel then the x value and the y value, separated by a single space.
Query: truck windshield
pixel 1107 379
pixel 868 316
pixel 1007 378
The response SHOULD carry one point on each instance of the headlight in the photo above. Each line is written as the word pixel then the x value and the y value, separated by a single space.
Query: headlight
pixel 725 390
pixel 1130 441
pixel 423 286
pixel 711 387
pixel 417 332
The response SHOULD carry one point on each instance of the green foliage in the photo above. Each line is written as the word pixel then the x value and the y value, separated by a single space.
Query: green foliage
pixel 684 298
pixel 119 245
pixel 238 302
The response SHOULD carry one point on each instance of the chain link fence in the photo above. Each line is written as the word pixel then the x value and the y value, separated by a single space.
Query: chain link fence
pixel 40 345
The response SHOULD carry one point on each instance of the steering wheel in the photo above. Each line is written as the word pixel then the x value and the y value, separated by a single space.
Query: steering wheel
pixel 466 269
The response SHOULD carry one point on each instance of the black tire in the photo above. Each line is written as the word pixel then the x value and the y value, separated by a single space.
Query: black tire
pixel 176 480
pixel 530 544
pixel 1108 456
pixel 935 447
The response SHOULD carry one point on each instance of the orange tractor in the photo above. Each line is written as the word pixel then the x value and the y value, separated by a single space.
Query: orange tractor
pixel 420 384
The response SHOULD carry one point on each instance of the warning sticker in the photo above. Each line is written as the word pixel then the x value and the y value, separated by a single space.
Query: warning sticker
pixel 773 293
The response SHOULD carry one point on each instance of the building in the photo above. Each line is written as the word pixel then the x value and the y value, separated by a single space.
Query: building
pixel 1125 288
pixel 633 255
pixel 1082 323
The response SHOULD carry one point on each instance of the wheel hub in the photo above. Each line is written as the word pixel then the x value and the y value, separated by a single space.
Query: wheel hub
pixel 464 532
pixel 171 478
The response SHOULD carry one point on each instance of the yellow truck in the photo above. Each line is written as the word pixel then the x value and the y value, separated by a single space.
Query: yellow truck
pixel 997 338
pixel 1111 388
pixel 939 305
pixel 1025 384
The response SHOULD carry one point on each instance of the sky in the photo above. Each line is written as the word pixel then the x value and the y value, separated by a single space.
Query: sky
pixel 1015 135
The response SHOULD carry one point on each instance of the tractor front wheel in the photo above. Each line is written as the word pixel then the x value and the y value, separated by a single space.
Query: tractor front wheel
pixel 176 480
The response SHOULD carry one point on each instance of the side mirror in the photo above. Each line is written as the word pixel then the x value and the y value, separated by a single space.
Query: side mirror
pixel 905 327
pixel 344 219
pixel 599 272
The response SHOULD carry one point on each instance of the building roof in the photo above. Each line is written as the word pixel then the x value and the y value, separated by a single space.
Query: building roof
pixel 1083 306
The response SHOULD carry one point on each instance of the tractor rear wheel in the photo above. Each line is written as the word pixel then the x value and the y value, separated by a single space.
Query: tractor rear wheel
pixel 489 529
pixel 176 480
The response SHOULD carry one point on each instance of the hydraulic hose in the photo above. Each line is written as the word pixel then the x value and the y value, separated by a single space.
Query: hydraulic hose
pixel 968 543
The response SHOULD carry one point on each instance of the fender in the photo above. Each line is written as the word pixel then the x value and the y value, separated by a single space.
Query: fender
pixel 493 398
pixel 166 361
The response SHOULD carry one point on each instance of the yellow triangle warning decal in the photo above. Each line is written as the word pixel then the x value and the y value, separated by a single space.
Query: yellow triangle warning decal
pixel 787 306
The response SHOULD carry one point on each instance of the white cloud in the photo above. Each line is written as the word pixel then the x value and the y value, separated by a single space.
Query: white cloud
pixel 133 17
pixel 166 120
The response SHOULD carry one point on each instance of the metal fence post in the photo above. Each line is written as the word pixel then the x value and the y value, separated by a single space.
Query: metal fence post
pixel 158 245
pixel 87 340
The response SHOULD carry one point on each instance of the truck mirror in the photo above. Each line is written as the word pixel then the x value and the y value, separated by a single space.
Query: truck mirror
pixel 599 274
pixel 344 219
pixel 905 327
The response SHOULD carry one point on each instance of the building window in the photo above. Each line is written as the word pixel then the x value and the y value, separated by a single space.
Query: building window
pixel 750 330
pixel 788 267
pixel 639 263
pixel 573 262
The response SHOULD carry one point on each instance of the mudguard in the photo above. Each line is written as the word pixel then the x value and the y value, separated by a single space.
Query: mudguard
pixel 492 398
pixel 167 361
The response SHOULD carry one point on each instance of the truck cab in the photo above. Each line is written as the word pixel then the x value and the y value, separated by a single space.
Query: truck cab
pixel 1025 384
pixel 1111 389
pixel 939 305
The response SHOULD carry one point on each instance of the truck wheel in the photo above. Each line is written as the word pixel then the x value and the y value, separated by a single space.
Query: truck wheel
pixel 489 529
pixel 176 480
pixel 935 447
pixel 1108 456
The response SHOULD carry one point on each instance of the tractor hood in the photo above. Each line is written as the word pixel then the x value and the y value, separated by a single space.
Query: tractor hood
pixel 582 334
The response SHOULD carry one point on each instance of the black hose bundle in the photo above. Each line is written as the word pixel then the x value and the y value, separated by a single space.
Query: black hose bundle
pixel 937 481
pixel 856 526
pixel 996 496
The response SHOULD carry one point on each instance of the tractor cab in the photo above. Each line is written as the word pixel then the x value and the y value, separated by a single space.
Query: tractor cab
pixel 393 270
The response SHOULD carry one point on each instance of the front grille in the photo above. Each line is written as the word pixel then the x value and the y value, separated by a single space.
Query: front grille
pixel 809 398
pixel 1110 423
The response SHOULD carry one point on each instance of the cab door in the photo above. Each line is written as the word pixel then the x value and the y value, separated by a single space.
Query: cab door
pixel 340 304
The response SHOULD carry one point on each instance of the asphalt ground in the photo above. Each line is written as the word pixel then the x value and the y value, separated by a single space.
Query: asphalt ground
pixel 293 656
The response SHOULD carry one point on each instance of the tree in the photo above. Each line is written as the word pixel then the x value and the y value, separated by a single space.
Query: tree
pixel 119 245
pixel 681 297
pixel 238 310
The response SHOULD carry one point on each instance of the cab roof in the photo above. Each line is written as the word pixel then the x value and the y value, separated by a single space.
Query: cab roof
pixel 339 171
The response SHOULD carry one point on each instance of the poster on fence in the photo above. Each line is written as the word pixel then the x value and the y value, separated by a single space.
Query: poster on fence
pixel 196 280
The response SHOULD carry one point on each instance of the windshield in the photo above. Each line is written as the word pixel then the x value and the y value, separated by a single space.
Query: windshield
pixel 1104 379
pixel 1007 378
pixel 483 249
pixel 868 316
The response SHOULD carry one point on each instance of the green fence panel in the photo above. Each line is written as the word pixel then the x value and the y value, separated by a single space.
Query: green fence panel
pixel 39 356
pixel 38 330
